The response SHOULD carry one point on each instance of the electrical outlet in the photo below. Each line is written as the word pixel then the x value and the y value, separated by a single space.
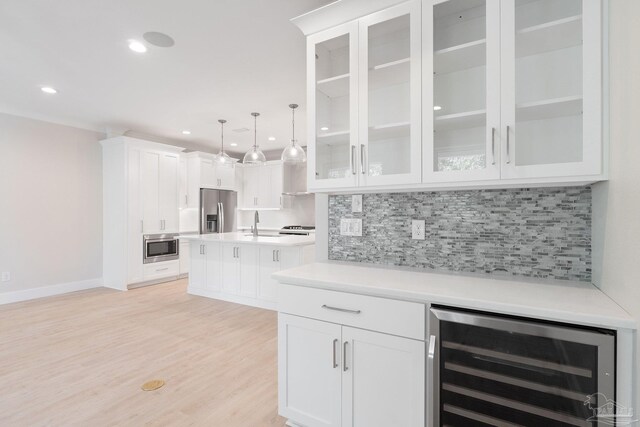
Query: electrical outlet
pixel 417 229
pixel 356 203
pixel 6 276
pixel 351 227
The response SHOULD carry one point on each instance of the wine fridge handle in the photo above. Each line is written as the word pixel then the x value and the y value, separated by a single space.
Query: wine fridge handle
pixel 430 383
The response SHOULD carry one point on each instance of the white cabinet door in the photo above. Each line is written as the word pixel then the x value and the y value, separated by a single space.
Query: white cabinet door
pixel 168 193
pixel 250 186
pixel 214 266
pixel 194 183
pixel 184 256
pixel 150 184
pixel 461 90
pixel 248 255
pixel 551 88
pixel 390 138
pixel 264 196
pixel 309 371
pixel 383 380
pixel 269 263
pixel 134 221
pixel 276 185
pixel 226 176
pixel 198 265
pixel 183 187
pixel 230 269
pixel 332 95
pixel 208 177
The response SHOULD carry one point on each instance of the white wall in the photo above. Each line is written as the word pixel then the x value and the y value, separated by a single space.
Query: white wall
pixel 616 203
pixel 50 205
pixel 298 210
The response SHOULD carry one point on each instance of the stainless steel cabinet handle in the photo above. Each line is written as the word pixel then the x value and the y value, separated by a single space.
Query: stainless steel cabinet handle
pixel 162 269
pixel 508 154
pixel 362 169
pixel 335 356
pixel 204 249
pixel 273 255
pixel 278 255
pixel 345 368
pixel 238 252
pixel 353 159
pixel 344 310
pixel 430 384
pixel 493 145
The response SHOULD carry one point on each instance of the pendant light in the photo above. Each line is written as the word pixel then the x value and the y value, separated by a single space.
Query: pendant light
pixel 293 153
pixel 254 156
pixel 222 157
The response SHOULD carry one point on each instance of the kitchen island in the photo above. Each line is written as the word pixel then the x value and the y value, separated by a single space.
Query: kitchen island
pixel 237 266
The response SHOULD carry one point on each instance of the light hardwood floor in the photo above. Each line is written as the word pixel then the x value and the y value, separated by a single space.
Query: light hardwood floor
pixel 80 359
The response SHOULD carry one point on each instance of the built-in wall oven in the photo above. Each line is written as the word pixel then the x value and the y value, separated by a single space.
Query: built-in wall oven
pixel 492 370
pixel 160 247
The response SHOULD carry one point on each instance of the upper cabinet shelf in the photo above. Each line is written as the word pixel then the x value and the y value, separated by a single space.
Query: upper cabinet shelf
pixel 549 108
pixel 557 34
pixel 334 87
pixel 460 57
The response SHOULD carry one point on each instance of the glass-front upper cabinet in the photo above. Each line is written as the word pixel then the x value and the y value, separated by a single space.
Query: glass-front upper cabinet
pixel 461 90
pixel 332 67
pixel 389 91
pixel 552 82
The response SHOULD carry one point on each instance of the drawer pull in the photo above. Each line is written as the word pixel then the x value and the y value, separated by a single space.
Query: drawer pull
pixel 335 358
pixel 344 310
pixel 162 269
pixel 345 368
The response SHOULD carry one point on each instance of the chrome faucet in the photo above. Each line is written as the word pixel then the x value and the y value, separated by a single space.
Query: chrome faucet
pixel 256 220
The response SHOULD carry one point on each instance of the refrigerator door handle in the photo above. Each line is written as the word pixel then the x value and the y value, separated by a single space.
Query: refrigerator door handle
pixel 220 217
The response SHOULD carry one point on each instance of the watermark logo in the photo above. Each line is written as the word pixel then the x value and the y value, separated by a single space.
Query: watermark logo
pixel 608 412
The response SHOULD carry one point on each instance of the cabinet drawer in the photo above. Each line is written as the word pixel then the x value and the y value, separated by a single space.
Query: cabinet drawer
pixel 158 270
pixel 390 316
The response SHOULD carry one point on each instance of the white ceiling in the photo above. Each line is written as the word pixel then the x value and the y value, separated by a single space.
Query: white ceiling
pixel 231 57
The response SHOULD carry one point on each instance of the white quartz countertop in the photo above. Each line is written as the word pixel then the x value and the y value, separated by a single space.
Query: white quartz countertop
pixel 570 302
pixel 241 237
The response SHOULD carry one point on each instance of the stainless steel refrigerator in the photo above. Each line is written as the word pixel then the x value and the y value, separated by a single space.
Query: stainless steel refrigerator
pixel 217 211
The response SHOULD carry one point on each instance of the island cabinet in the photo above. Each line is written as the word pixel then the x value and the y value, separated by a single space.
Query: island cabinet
pixel 445 93
pixel 350 360
pixel 241 271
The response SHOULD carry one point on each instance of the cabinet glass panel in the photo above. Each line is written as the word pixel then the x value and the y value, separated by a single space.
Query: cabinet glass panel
pixel 332 108
pixel 548 81
pixel 389 97
pixel 459 85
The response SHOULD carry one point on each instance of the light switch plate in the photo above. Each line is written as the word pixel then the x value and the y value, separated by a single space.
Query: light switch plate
pixel 356 203
pixel 351 227
pixel 417 229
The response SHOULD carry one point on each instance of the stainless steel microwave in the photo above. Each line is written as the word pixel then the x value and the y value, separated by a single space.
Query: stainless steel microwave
pixel 160 247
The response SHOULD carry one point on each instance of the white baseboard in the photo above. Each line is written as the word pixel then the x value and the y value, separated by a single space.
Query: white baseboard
pixel 253 302
pixel 47 291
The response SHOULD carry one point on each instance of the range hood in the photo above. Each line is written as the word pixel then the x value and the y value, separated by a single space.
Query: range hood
pixel 294 179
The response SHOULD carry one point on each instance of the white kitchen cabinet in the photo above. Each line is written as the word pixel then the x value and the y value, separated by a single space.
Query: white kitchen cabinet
pixel 140 196
pixel 239 269
pixel 205 269
pixel 517 85
pixel 271 260
pixel 309 369
pixel 335 375
pixel 160 270
pixel 184 257
pixel 262 186
pixel 364 92
pixel 203 172
pixel 511 94
pixel 383 380
pixel 183 185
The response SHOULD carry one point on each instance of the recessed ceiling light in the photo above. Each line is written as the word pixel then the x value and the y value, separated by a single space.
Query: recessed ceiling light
pixel 272 138
pixel 158 39
pixel 233 144
pixel 186 132
pixel 136 46
pixel 47 89
pixel 324 128
pixel 437 107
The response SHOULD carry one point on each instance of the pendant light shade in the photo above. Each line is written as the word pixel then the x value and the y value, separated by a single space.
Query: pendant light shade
pixel 222 157
pixel 254 156
pixel 293 153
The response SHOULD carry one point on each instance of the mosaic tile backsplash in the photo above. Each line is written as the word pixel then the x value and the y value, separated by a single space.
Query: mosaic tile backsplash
pixel 538 232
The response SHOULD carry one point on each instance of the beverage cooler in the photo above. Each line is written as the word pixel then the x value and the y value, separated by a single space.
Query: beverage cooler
pixel 491 370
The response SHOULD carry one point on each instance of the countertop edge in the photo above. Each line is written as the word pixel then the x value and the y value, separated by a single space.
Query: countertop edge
pixel 593 320
pixel 250 241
